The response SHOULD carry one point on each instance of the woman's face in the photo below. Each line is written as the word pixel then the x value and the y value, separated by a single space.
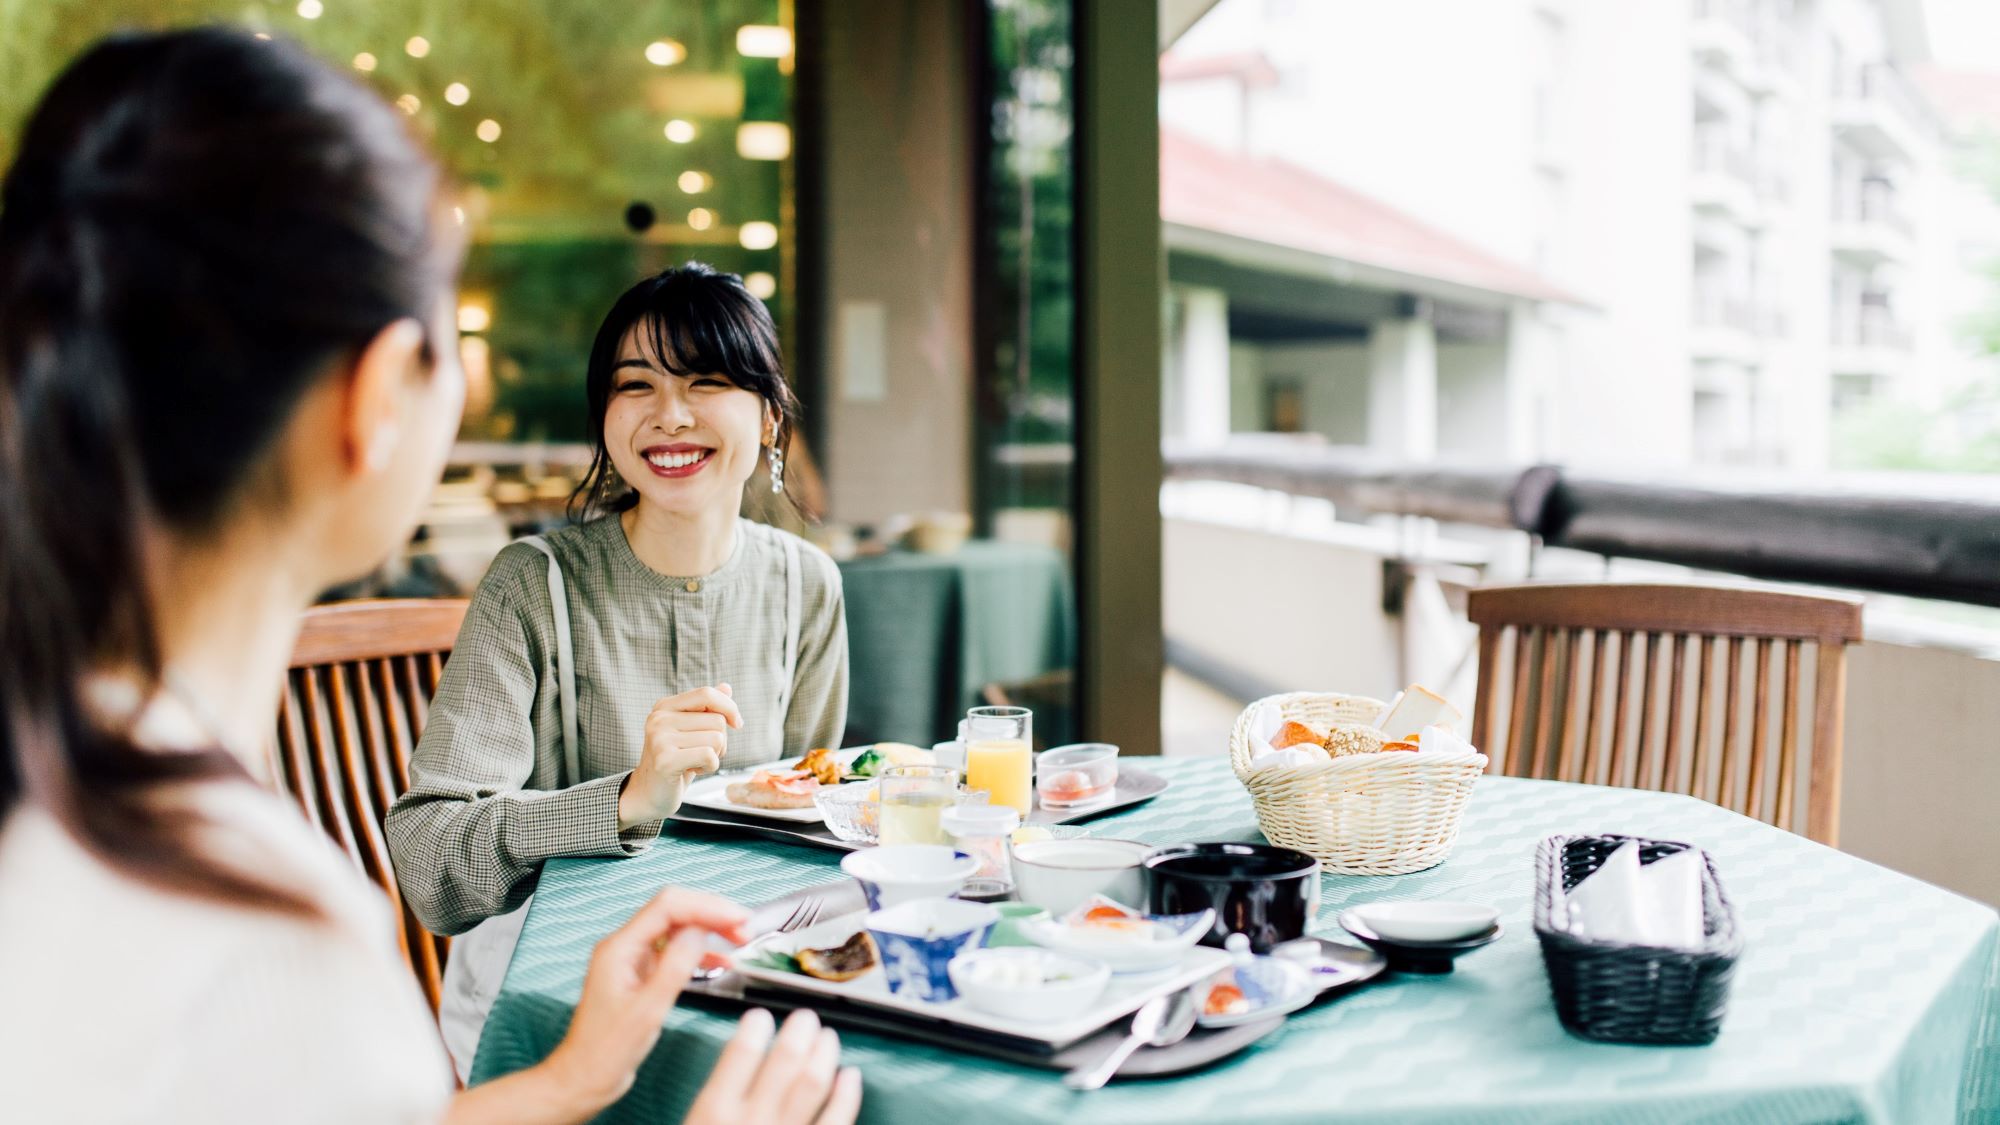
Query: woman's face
pixel 687 444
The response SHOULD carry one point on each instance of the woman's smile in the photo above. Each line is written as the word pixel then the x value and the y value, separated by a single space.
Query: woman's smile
pixel 678 460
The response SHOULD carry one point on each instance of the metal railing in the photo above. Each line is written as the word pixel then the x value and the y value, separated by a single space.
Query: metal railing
pixel 1919 535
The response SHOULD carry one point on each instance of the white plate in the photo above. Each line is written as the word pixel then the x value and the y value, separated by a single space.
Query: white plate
pixel 712 792
pixel 1122 997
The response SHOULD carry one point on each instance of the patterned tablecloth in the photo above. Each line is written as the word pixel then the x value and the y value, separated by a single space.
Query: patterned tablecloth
pixel 1862 995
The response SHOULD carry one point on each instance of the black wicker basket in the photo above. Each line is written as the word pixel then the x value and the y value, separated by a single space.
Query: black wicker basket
pixel 1632 993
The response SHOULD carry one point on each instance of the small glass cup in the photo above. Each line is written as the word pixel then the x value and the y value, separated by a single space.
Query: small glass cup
pixel 999 757
pixel 1083 774
pixel 914 799
pixel 982 831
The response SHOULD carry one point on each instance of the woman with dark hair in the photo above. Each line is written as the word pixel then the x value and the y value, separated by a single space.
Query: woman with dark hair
pixel 603 666
pixel 227 381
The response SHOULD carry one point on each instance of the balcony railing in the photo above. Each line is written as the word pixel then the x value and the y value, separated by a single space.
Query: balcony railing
pixel 1920 535
pixel 1871 327
pixel 1880 83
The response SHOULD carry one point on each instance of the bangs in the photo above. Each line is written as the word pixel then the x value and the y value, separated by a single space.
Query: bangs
pixel 700 330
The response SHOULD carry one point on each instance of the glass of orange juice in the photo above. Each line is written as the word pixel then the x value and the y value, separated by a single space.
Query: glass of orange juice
pixel 998 757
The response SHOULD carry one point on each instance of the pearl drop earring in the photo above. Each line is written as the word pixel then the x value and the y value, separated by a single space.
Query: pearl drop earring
pixel 777 469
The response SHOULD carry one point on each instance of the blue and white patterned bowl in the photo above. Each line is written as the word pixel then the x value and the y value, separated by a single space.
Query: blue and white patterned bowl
pixel 919 939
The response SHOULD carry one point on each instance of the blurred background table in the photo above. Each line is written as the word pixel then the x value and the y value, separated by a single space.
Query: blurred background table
pixel 1862 995
pixel 928 633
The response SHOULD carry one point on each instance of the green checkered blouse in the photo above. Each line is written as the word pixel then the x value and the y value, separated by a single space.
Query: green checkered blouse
pixel 487 801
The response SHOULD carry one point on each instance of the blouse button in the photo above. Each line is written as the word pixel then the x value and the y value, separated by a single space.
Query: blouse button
pixel 694 586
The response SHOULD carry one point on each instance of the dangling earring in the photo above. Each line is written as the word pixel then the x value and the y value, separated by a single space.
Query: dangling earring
pixel 777 468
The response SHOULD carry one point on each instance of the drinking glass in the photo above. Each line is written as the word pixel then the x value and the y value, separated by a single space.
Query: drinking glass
pixel 998 755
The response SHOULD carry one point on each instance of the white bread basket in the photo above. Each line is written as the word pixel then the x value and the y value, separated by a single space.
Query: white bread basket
pixel 1387 813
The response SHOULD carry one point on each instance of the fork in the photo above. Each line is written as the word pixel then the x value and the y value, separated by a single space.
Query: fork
pixel 804 913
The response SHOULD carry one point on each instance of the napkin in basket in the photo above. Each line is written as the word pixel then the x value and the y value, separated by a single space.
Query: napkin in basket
pixel 1264 726
pixel 1656 904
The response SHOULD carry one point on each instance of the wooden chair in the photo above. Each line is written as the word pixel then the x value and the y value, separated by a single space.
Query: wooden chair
pixel 1584 700
pixel 360 686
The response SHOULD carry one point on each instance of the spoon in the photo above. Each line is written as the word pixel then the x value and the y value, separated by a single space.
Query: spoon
pixel 1161 1022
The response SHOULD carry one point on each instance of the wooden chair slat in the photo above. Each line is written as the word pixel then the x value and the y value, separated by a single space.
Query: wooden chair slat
pixel 1555 643
pixel 1704 721
pixel 1726 788
pixel 1788 739
pixel 1517 719
pixel 1760 733
pixel 1621 756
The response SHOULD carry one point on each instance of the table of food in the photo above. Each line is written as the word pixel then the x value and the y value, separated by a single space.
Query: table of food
pixel 1346 919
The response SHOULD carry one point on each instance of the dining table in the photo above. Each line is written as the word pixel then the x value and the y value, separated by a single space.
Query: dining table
pixel 1861 994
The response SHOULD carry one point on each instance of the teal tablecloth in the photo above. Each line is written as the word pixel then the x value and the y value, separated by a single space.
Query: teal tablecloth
pixel 1862 995
pixel 926 632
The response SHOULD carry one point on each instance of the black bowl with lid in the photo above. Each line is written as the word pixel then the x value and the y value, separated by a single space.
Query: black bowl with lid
pixel 1267 893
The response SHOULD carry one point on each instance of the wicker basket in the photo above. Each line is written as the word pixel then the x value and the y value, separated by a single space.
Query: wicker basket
pixel 1387 813
pixel 1632 993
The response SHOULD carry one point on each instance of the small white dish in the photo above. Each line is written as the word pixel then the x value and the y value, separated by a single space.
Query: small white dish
pixel 903 873
pixel 1034 985
pixel 1059 875
pixel 1427 921
pixel 1124 952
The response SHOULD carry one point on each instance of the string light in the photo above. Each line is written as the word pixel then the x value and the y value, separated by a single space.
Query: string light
pixel 488 130
pixel 310 9
pixel 364 61
pixel 763 140
pixel 410 104
pixel 457 93
pixel 458 213
pixel 417 47
pixel 474 318
pixel 701 218
pixel 680 132
pixel 264 35
pixel 757 235
pixel 665 52
pixel 761 285
pixel 763 41
pixel 694 183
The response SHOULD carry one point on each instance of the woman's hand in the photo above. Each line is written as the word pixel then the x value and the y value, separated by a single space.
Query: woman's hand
pixel 635 976
pixel 794 1081
pixel 685 735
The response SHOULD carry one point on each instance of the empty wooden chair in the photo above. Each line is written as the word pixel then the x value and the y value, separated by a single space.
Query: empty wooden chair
pixel 1646 686
pixel 361 682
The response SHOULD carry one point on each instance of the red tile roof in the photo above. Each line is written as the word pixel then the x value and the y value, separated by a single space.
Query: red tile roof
pixel 1270 201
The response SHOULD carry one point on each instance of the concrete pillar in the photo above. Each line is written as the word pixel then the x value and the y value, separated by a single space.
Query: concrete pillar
pixel 1530 362
pixel 1203 366
pixel 1402 387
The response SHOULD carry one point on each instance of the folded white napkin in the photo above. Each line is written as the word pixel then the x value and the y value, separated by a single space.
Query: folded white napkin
pixel 1264 726
pixel 1655 904
pixel 1445 739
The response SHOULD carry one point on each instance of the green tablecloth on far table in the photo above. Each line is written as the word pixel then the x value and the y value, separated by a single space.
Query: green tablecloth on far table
pixel 926 632
pixel 1859 996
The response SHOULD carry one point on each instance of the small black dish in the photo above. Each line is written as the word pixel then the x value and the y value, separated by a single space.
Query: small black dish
pixel 1417 956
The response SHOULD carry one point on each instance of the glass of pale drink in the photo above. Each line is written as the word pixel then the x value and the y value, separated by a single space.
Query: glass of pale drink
pixel 913 800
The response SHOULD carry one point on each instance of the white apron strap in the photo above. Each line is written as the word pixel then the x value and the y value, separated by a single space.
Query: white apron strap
pixel 565 666
pixel 794 608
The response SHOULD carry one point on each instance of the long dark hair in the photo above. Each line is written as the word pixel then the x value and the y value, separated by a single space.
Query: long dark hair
pixel 199 224
pixel 698 321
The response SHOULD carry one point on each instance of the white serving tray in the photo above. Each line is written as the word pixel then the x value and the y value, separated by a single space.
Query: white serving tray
pixel 1122 996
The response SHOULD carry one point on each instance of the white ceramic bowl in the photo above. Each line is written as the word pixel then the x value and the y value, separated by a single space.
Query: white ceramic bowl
pixel 1018 987
pixel 1122 952
pixel 1057 875
pixel 904 873
pixel 1427 921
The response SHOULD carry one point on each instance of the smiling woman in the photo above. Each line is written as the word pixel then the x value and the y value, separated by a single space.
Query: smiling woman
pixel 696 638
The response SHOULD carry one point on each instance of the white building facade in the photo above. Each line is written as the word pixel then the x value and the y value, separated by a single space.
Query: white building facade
pixel 1729 207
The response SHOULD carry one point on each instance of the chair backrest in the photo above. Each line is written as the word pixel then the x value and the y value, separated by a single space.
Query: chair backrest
pixel 1581 698
pixel 360 685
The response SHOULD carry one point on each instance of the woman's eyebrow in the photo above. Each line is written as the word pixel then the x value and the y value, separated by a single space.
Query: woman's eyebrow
pixel 639 363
